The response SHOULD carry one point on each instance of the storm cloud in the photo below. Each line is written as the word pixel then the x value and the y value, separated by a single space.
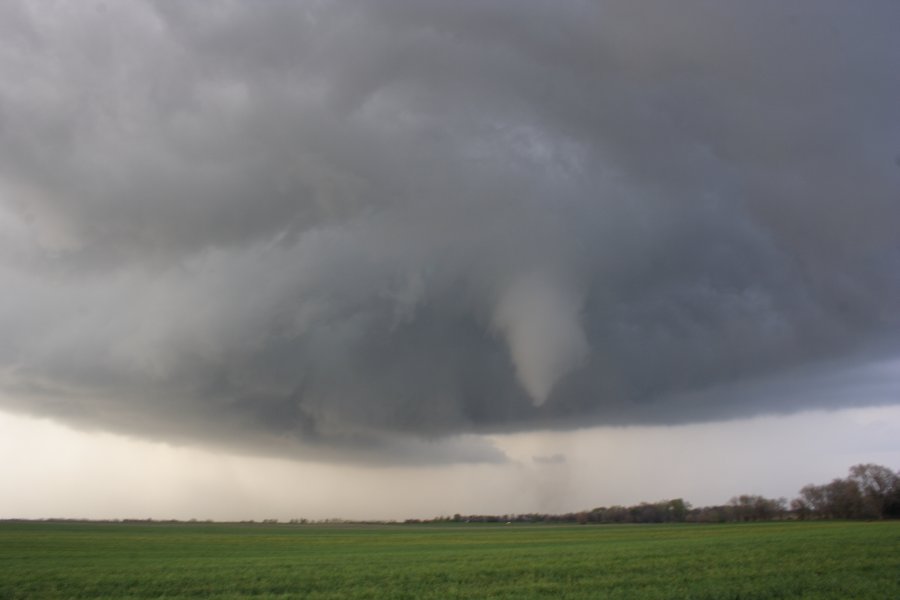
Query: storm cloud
pixel 362 229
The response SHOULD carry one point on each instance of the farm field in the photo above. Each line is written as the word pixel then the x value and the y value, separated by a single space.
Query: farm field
pixel 745 561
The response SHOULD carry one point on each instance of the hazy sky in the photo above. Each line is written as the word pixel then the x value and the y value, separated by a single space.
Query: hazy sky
pixel 100 475
pixel 383 239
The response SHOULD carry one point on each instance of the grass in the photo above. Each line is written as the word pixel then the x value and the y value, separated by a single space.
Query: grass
pixel 746 561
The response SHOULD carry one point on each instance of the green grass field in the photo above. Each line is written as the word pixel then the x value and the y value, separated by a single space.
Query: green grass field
pixel 769 560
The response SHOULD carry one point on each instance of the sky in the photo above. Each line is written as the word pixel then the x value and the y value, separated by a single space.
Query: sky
pixel 379 257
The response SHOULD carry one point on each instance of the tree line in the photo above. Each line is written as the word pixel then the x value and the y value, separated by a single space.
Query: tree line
pixel 868 492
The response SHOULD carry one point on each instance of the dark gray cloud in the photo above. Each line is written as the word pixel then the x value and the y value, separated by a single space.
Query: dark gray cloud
pixel 356 228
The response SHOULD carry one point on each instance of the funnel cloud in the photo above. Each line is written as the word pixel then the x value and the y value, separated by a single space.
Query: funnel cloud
pixel 540 325
pixel 374 230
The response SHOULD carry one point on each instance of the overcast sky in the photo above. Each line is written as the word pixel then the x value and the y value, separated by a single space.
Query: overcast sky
pixel 384 237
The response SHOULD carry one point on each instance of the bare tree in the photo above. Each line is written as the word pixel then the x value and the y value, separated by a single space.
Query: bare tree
pixel 877 486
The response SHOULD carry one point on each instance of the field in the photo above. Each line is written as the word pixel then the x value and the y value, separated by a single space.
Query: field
pixel 769 560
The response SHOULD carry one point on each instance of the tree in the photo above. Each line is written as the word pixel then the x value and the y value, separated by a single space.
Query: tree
pixel 869 492
pixel 877 486
pixel 678 510
pixel 757 508
pixel 801 508
pixel 814 499
pixel 843 499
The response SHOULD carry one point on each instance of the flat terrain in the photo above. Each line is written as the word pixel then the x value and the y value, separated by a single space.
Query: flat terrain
pixel 769 560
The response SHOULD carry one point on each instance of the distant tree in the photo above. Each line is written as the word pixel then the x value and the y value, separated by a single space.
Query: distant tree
pixel 877 486
pixel 646 512
pixel 814 499
pixel 801 509
pixel 616 514
pixel 892 505
pixel 742 507
pixel 678 510
pixel 749 507
pixel 843 500
pixel 869 492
